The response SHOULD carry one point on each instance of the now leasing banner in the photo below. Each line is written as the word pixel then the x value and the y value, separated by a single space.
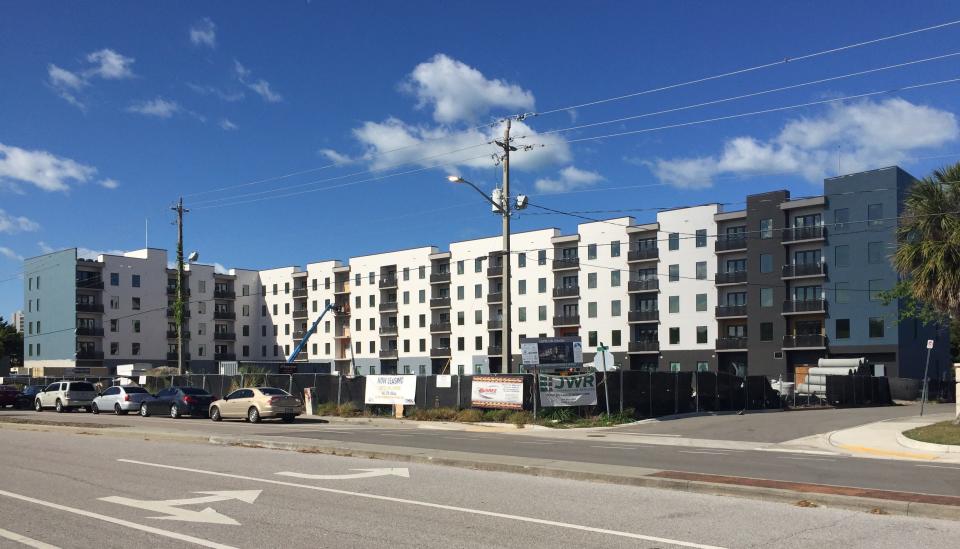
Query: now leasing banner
pixel 568 390
pixel 496 392
pixel 391 390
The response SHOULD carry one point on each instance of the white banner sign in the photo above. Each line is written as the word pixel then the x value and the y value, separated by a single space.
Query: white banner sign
pixel 496 392
pixel 391 390
pixel 443 381
pixel 568 390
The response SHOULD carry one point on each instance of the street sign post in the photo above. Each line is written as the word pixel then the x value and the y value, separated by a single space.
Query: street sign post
pixel 923 394
pixel 602 352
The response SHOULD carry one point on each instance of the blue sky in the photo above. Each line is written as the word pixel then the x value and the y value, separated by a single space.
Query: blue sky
pixel 110 110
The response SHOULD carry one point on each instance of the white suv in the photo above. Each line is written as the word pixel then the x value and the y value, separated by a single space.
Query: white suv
pixel 65 395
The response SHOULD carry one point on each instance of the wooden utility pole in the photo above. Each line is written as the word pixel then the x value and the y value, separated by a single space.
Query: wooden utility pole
pixel 179 305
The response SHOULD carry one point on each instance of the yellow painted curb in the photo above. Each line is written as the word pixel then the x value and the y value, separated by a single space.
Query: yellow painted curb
pixel 894 453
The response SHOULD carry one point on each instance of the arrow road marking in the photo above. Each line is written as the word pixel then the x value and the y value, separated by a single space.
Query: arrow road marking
pixel 172 511
pixel 364 473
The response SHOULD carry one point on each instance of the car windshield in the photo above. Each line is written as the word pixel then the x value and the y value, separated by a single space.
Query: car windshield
pixel 132 390
pixel 270 391
pixel 32 390
pixel 81 386
pixel 194 391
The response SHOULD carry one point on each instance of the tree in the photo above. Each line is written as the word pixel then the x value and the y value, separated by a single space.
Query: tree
pixel 11 343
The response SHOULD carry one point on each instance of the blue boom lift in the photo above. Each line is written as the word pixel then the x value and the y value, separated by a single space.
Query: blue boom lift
pixel 311 331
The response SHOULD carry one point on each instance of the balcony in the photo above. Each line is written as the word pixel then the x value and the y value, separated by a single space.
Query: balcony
pixel 89 307
pixel 224 356
pixel 802 270
pixel 648 285
pixel 388 306
pixel 344 310
pixel 730 244
pixel 562 321
pixel 440 352
pixel 298 334
pixel 90 332
pixel 172 334
pixel 495 298
pixel 566 291
pixel 389 353
pixel 804 306
pixel 643 316
pixel 729 311
pixel 731 344
pixel 565 263
pixel 224 336
pixel 229 294
pixel 299 292
pixel 811 341
pixel 494 325
pixel 388 282
pixel 389 330
pixel 493 272
pixel 89 355
pixel 171 310
pixel 440 278
pixel 90 284
pixel 803 234
pixel 643 347
pixel 300 314
pixel 230 315
pixel 343 288
pixel 345 334
pixel 494 350
pixel 439 302
pixel 730 277
pixel 173 356
pixel 645 254
pixel 172 291
pixel 440 327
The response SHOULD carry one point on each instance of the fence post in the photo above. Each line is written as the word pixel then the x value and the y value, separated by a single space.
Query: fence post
pixel 621 390
pixel 676 390
pixel 339 382
pixel 290 384
pixel 458 391
pixel 696 383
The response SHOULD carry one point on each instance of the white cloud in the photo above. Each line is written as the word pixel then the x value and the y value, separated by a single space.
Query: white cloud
pixel 41 168
pixel 10 224
pixel 89 253
pixel 109 183
pixel 45 248
pixel 10 254
pixel 106 64
pixel 457 91
pixel 869 134
pixel 227 125
pixel 570 178
pixel 335 157
pixel 219 268
pixel 110 65
pixel 260 86
pixel 159 107
pixel 229 96
pixel 204 33
pixel 61 77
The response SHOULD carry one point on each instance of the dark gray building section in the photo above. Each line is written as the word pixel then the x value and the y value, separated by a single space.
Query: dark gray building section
pixel 688 359
pixel 49 297
pixel 766 356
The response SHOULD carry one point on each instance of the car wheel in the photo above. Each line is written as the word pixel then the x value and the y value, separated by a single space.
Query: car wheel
pixel 215 414
pixel 253 415
pixel 37 406
pixel 94 408
pixel 118 411
pixel 174 411
pixel 288 419
pixel 59 406
pixel 144 412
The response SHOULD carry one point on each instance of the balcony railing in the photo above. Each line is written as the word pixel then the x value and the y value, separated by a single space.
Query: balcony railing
pixel 494 350
pixel 230 294
pixel 89 355
pixel 731 277
pixel 298 334
pixel 343 288
pixel 299 292
pixel 225 356
pixel 495 298
pixel 643 316
pixel 89 307
pixel 389 330
pixel 731 310
pixel 794 234
pixel 439 302
pixel 643 347
pixel 494 324
pixel 571 320
pixel 345 334
pixel 648 285
pixel 344 310
pixel 440 352
pixel 91 332
pixel 388 306
pixel 224 336
pixel 566 263
pixel 171 310
pixel 728 343
pixel 493 272
pixel 172 291
pixel 172 334
pixel 90 284
pixel 230 315
pixel 173 356
pixel 805 306
pixel 388 282
pixel 389 353
pixel 804 269
pixel 813 341
pixel 439 278
pixel 730 243
pixel 440 327
pixel 643 254
pixel 566 291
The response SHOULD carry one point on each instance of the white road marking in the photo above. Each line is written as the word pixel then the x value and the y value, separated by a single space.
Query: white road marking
pixel 617 447
pixel 24 540
pixel 480 512
pixel 396 435
pixel 365 473
pixel 808 458
pixel 535 442
pixel 703 452
pixel 172 511
pixel 939 467
pixel 463 438
pixel 119 522
pixel 648 435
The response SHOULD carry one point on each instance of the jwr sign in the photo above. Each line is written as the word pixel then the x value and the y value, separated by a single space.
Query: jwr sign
pixel 568 390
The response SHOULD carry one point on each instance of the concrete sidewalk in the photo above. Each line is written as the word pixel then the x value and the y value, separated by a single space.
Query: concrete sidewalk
pixel 884 440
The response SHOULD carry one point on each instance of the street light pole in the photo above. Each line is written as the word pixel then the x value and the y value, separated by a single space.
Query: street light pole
pixel 505 344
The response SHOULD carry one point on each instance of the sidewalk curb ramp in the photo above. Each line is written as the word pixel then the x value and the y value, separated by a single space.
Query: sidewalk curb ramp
pixel 904 440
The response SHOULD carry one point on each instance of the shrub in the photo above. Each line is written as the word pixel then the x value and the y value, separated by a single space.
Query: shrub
pixel 520 418
pixel 347 409
pixel 469 415
pixel 327 409
pixel 559 415
pixel 498 416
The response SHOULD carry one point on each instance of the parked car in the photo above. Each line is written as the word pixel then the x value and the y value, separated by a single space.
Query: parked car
pixel 27 396
pixel 179 401
pixel 8 395
pixel 121 399
pixel 65 396
pixel 256 403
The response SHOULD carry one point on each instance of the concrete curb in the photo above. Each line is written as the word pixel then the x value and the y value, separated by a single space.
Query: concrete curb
pixel 904 440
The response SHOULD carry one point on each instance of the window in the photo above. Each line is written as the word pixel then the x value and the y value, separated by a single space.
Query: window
pixel 263 310
pixel 246 309
pixel 843 328
pixel 286 286
pixel 406 345
pixel 113 324
pixel 522 287
pixel 876 288
pixel 615 248
pixel 478 317
pixel 460 319
pixel 135 303
pixel 592 339
pixel 673 241
pixel 874 215
pixel 766 331
pixel 422 296
pixel 422 272
pixel 591 280
pixel 406 273
pixel 876 327
pixel 701 238
pixel 841 219
pixel 701 270
pixel 373 347
pixel 478 291
pixel 423 321
pixel 478 264
pixel 766 263
pixel 843 292
pixel 460 344
pixel 114 279
pixel 541 257
pixel 135 349
pixel 135 282
pixel 460 293
pixel 542 312
pixel 460 267
pixel 615 307
pixel 286 308
pixel 371 277
pixel 673 304
pixel 701 302
pixel 674 336
pixel 114 348
pixel 614 279
pixel 136 327
pixel 615 338
pixel 522 314
pixel 592 309
pixel 874 252
pixel 542 285
pixel 478 343
pixel 373 324
pixel 766 228
pixel 841 256
pixel 373 300
pixel 701 334
pixel 591 251
pixel 766 297
pixel 114 302
pixel 674 367
pixel 521 260
pixel 406 298
pixel 673 272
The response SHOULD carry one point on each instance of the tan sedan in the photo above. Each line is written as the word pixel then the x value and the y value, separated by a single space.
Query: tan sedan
pixel 255 403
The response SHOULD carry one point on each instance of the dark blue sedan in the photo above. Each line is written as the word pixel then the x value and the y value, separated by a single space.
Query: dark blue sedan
pixel 179 401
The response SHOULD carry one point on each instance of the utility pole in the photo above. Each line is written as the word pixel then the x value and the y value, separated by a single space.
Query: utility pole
pixel 179 305
pixel 505 344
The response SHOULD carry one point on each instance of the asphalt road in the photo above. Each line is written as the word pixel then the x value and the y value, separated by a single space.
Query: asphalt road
pixel 54 485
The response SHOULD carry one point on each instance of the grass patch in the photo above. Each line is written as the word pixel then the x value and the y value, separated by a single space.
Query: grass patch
pixel 565 418
pixel 939 433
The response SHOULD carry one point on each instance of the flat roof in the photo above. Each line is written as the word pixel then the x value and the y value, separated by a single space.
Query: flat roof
pixel 803 203
pixel 727 216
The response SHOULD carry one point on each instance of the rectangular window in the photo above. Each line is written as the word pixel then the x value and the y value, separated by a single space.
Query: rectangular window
pixel 673 304
pixel 701 334
pixel 614 279
pixel 422 296
pixel 478 290
pixel 591 280
pixel 615 248
pixel 766 331
pixel 522 287
pixel 478 264
pixel 461 292
pixel 542 312
pixel 592 339
pixel 876 327
pixel 673 273
pixel 766 263
pixel 591 251
pixel 674 336
pixel 701 302
pixel 766 228
pixel 114 279
pixel 461 344
pixel 875 252
pixel 422 272
pixel 521 260
pixel 874 215
pixel 841 219
pixel 766 297
pixel 522 314
pixel 423 321
pixel 843 328
pixel 542 285
pixel 701 270
pixel 135 303
pixel 842 291
pixel 460 319
pixel 673 241
pixel 615 338
pixel 841 255
pixel 478 317
pixel 460 268
pixel 592 309
pixel 876 288
pixel 542 257
pixel 674 367
pixel 478 343
pixel 136 284
pixel 615 307
pixel 701 238
pixel 113 324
